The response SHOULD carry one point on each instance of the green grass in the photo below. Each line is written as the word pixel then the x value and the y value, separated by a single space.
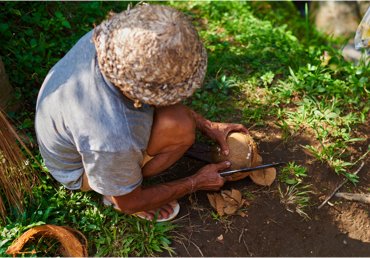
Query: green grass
pixel 292 174
pixel 296 198
pixel 295 195
pixel 266 64
pixel 108 232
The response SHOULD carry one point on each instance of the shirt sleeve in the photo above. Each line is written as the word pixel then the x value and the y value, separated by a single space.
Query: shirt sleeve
pixel 113 173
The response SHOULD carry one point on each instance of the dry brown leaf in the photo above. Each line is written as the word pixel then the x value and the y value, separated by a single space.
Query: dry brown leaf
pixel 226 196
pixel 227 202
pixel 212 200
pixel 236 195
pixel 71 245
pixel 230 209
pixel 220 205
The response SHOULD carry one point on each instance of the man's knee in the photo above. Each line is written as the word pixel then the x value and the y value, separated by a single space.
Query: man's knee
pixel 177 123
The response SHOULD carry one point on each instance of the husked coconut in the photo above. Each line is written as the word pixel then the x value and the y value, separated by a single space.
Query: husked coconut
pixel 244 154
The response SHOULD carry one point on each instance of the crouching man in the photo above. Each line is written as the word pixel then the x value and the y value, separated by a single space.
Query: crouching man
pixel 108 113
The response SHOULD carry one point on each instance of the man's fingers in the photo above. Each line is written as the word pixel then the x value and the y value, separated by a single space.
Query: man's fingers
pixel 222 165
pixel 224 146
pixel 243 129
pixel 239 128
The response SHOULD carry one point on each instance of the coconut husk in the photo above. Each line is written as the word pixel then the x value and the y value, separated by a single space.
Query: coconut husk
pixel 244 154
pixel 17 175
pixel 228 202
pixel 70 243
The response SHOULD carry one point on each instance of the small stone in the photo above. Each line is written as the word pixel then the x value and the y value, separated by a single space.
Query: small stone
pixel 344 241
pixel 220 237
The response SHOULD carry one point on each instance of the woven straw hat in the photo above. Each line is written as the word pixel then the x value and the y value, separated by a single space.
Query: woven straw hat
pixel 152 53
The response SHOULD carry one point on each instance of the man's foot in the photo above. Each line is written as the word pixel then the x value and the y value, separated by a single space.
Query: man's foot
pixel 165 213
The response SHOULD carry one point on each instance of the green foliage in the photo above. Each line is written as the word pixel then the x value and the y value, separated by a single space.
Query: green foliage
pixel 34 36
pixel 109 233
pixel 292 174
pixel 294 194
pixel 265 63
pixel 214 98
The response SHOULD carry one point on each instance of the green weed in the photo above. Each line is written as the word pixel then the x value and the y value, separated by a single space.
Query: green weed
pixel 292 174
pixel 214 98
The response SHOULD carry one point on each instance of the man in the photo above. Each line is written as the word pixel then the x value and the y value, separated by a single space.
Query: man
pixel 108 113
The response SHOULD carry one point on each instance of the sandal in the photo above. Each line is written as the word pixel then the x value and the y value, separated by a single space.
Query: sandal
pixel 141 214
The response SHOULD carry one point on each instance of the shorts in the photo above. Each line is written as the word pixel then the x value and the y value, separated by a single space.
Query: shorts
pixel 85 182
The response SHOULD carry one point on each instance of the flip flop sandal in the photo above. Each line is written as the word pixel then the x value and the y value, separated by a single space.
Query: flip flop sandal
pixel 176 210
pixel 141 214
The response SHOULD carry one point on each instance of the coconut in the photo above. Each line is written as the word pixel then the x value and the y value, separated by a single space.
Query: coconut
pixel 243 154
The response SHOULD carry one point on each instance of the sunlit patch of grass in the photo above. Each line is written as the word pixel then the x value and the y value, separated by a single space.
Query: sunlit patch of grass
pixel 331 129
pixel 109 233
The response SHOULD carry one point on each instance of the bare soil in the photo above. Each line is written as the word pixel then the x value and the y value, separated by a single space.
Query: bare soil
pixel 341 228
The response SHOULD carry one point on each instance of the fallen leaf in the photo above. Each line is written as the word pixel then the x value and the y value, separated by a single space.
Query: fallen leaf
pixel 227 202
pixel 220 204
pixel 212 200
pixel 236 195
pixel 230 209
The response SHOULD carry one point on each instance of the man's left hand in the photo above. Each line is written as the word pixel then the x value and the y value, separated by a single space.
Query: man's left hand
pixel 219 132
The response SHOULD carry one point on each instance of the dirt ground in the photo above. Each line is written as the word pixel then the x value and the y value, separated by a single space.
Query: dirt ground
pixel 341 228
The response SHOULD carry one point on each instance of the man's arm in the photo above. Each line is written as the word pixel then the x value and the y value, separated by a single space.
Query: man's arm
pixel 152 197
pixel 217 131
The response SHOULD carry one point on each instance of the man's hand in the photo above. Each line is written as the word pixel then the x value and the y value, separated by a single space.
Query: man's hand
pixel 219 132
pixel 208 177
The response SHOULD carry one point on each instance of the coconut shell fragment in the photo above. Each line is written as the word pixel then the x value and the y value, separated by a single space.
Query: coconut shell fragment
pixel 70 243
pixel 265 177
pixel 244 154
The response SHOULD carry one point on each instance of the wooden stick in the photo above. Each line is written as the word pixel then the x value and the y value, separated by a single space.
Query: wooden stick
pixel 339 186
pixel 364 198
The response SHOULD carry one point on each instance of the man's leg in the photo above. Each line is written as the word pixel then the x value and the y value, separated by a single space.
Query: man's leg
pixel 173 132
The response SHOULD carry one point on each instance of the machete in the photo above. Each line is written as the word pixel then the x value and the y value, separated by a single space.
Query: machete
pixel 230 172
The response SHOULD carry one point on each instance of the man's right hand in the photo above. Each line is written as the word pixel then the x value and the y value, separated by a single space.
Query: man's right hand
pixel 208 177
pixel 154 197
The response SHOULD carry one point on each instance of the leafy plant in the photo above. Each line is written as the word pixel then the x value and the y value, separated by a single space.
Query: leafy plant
pixel 292 174
pixel 214 99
